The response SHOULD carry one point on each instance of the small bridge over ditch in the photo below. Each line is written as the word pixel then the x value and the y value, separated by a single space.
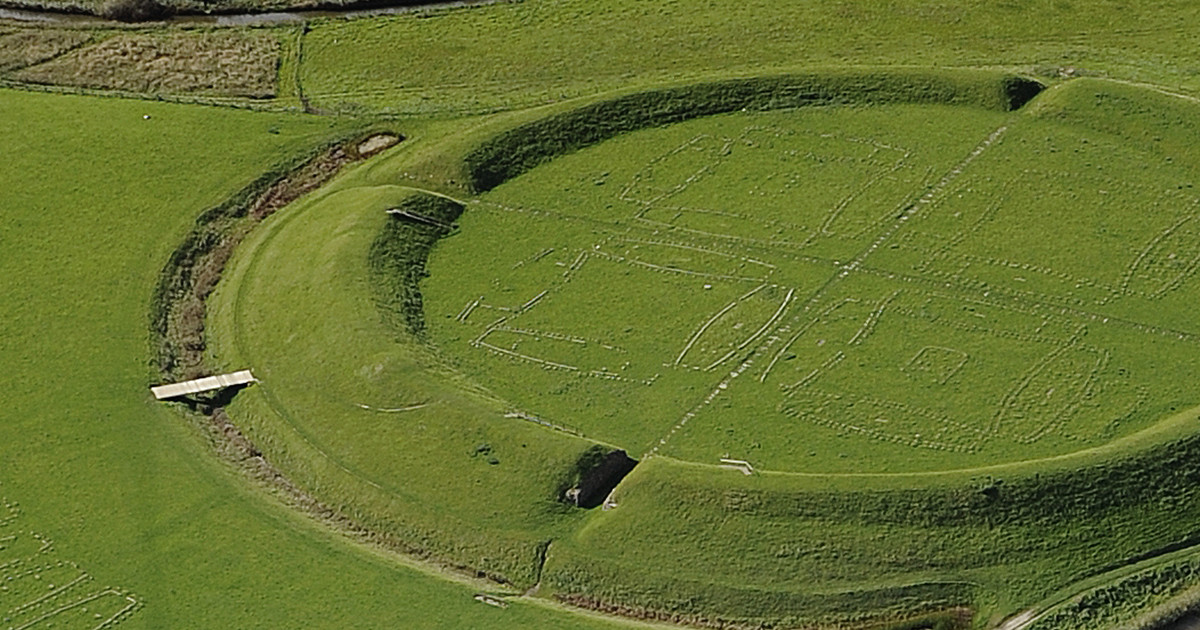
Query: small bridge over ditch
pixel 206 384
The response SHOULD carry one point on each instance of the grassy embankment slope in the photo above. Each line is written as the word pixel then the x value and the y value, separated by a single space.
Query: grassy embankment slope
pixel 120 485
pixel 930 34
pixel 385 411
pixel 607 559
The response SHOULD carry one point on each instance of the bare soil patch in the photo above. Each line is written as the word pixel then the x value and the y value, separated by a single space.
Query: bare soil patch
pixel 377 143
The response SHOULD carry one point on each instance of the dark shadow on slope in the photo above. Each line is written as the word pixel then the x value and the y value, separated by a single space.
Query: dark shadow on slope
pixel 597 472
pixel 398 256
pixel 1020 90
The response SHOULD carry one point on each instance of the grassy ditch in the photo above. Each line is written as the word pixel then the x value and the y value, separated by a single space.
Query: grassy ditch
pixel 521 149
pixel 640 593
pixel 1160 598
pixel 398 256
pixel 195 267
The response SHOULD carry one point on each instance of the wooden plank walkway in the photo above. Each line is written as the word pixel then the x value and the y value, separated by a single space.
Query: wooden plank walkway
pixel 419 218
pixel 174 390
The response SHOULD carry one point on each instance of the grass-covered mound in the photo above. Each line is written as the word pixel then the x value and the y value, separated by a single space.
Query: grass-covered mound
pixel 105 493
pixel 365 417
pixel 518 150
pixel 780 542
pixel 638 247
pixel 836 289
pixel 416 380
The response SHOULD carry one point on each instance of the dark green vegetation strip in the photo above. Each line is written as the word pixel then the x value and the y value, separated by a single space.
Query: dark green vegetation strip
pixel 519 150
pixel 1160 598
pixel 399 254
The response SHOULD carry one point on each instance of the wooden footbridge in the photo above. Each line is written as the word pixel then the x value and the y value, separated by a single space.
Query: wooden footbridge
pixel 200 385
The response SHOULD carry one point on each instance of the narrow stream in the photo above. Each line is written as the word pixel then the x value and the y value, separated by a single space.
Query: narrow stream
pixel 1189 621
pixel 233 19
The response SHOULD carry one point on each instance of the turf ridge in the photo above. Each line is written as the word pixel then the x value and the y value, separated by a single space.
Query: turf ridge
pixel 104 487
pixel 1003 506
pixel 516 151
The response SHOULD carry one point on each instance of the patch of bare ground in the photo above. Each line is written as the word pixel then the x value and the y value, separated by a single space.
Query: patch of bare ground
pixel 377 143
pixel 26 47
pixel 237 63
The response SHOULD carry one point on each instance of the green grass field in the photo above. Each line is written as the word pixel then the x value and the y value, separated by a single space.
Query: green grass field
pixel 532 53
pixel 108 495
pixel 648 268
pixel 955 342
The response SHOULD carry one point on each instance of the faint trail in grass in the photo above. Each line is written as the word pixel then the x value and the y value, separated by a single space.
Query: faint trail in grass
pixel 910 209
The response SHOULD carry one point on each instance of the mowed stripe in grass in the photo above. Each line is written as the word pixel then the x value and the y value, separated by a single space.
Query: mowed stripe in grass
pixel 95 198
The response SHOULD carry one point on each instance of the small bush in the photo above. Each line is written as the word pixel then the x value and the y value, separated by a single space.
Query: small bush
pixel 135 10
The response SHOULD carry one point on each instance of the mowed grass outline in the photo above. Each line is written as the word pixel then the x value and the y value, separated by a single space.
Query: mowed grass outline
pixel 533 291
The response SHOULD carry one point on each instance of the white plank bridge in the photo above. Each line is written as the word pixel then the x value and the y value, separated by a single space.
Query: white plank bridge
pixel 206 384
